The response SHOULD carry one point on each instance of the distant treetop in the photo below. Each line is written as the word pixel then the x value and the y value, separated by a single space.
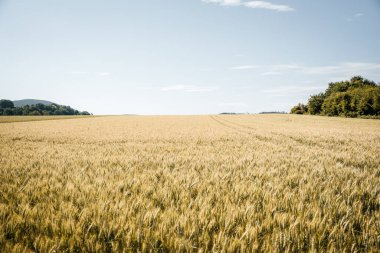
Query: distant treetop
pixel 4 104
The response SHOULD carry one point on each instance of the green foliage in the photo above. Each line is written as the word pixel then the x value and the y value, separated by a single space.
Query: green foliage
pixel 358 97
pixel 355 82
pixel 315 103
pixel 6 104
pixel 7 108
pixel 299 109
pixel 355 102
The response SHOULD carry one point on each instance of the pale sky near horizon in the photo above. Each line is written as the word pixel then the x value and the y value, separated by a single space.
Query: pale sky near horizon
pixel 184 56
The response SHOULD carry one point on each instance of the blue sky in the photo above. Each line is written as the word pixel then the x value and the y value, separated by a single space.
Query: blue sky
pixel 184 56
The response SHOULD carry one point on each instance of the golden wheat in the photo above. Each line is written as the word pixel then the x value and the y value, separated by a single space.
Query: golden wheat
pixel 9 119
pixel 249 183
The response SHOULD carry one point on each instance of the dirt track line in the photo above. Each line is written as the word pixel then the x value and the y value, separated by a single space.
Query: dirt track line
pixel 238 128
pixel 299 141
pixel 220 122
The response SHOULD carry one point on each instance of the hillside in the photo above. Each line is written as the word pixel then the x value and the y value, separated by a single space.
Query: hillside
pixel 23 102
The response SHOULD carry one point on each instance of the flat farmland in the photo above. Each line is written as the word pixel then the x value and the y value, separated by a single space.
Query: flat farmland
pixel 218 183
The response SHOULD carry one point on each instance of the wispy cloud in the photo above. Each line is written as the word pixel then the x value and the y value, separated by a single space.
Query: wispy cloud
pixel 232 104
pixel 79 72
pixel 267 5
pixel 356 16
pixel 351 68
pixel 103 74
pixel 189 88
pixel 90 73
pixel 271 73
pixel 245 67
pixel 253 4
pixel 239 55
pixel 292 89
pixel 342 68
pixel 223 2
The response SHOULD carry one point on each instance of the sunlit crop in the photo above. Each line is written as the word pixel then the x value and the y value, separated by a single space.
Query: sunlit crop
pixel 9 119
pixel 233 183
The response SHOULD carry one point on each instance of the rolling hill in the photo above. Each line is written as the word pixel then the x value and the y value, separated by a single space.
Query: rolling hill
pixel 23 102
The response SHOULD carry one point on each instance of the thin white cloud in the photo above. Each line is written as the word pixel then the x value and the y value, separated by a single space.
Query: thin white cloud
pixel 287 66
pixel 351 68
pixel 271 73
pixel 189 88
pixel 342 68
pixel 355 16
pixel 233 104
pixel 292 89
pixel 103 74
pixel 79 72
pixel 245 67
pixel 239 55
pixel 223 2
pixel 268 6
pixel 90 73
pixel 252 4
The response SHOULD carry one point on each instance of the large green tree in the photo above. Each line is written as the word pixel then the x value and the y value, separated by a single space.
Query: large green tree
pixel 355 97
pixel 4 103
pixel 315 103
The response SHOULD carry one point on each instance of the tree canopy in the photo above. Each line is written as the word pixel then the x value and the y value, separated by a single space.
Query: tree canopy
pixel 6 104
pixel 358 97
pixel 7 108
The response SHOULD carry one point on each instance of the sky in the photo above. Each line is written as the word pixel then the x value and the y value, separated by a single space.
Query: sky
pixel 184 56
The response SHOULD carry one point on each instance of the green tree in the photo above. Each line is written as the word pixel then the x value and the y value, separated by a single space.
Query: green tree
pixel 4 103
pixel 315 103
pixel 299 109
pixel 356 97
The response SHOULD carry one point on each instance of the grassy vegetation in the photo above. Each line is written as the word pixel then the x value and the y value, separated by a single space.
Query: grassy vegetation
pixel 9 119
pixel 248 183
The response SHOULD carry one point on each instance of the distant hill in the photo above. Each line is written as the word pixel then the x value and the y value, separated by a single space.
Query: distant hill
pixel 23 102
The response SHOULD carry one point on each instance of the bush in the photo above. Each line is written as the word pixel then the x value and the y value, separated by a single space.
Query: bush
pixel 299 109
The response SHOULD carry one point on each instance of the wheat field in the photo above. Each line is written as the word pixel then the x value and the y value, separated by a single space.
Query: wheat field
pixel 10 119
pixel 231 183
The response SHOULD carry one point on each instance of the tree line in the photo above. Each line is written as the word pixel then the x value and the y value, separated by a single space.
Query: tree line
pixel 7 107
pixel 358 97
